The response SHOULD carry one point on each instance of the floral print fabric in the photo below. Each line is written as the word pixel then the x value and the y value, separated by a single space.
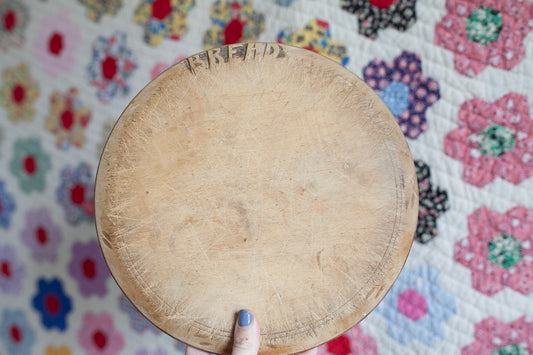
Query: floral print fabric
pixel 433 202
pixel 353 341
pixel 493 336
pixel 404 89
pixel 162 19
pixel 96 8
pixel 498 250
pixel 89 269
pixel 52 303
pixel 12 271
pixel 76 194
pixel 233 22
pixel 18 93
pixel 29 164
pixel 417 306
pixel 68 118
pixel 456 75
pixel 16 332
pixel 111 66
pixel 7 206
pixel 374 15
pixel 493 140
pixel 98 334
pixel 316 37
pixel 482 35
pixel 57 43
pixel 41 235
pixel 15 16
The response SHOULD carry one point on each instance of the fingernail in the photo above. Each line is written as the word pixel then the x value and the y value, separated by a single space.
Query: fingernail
pixel 245 318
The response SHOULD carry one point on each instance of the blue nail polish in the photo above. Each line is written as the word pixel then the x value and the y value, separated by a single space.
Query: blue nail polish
pixel 245 318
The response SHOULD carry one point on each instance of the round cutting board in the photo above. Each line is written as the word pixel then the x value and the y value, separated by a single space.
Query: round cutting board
pixel 256 176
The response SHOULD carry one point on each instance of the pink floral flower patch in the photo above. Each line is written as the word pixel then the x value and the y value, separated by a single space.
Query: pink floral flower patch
pixel 353 341
pixel 498 250
pixel 492 336
pixel 485 33
pixel 160 67
pixel 98 335
pixel 493 139
pixel 56 44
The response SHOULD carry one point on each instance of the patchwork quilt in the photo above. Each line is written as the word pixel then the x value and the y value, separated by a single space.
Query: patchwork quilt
pixel 456 74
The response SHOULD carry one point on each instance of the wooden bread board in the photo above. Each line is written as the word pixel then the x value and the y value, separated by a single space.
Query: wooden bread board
pixel 256 176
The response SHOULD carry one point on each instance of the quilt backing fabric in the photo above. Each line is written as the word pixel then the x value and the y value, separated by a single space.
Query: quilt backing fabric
pixel 456 74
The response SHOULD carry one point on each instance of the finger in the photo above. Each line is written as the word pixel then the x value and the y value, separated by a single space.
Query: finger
pixel 246 336
pixel 189 350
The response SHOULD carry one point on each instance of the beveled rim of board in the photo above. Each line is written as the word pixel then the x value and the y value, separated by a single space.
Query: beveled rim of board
pixel 204 66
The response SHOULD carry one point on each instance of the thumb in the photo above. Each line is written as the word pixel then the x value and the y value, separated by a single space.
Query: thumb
pixel 246 337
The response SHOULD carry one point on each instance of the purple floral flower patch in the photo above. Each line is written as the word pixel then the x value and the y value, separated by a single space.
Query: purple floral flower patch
pixel 41 235
pixel 405 91
pixel 88 267
pixel 11 271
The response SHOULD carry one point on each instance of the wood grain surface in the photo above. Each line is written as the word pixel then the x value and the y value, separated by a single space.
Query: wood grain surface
pixel 256 176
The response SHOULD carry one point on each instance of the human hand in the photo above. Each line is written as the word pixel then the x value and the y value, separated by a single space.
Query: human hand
pixel 246 338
